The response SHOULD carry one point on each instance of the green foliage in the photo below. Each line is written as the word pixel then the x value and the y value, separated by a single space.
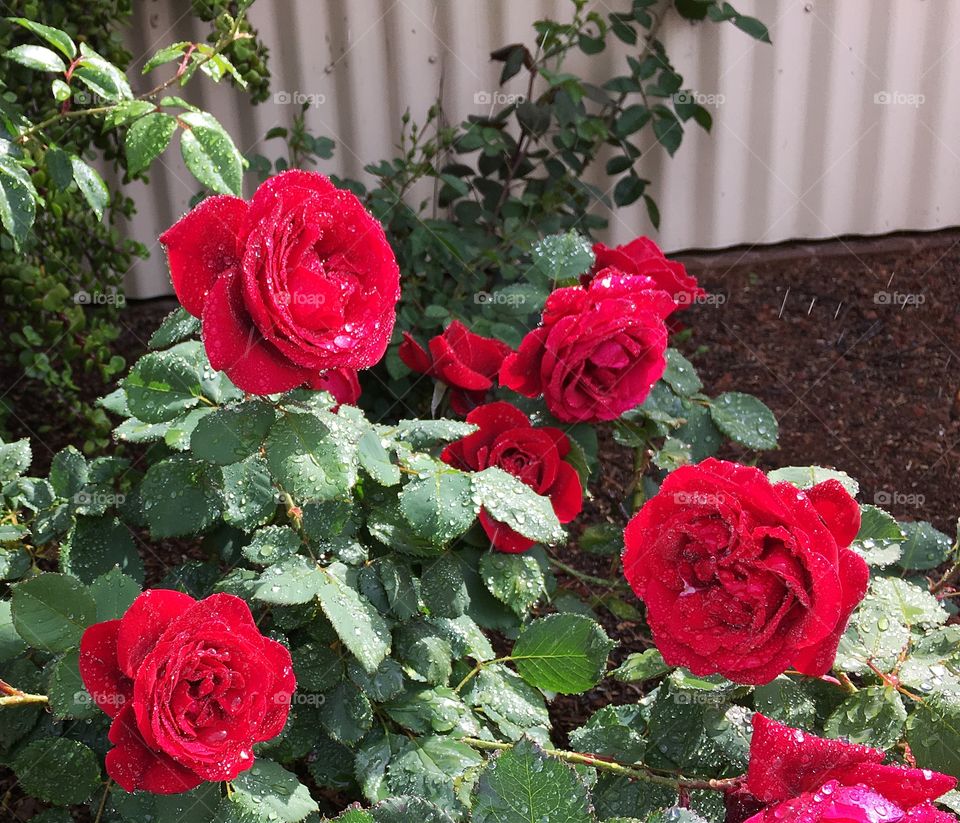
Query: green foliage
pixel 68 114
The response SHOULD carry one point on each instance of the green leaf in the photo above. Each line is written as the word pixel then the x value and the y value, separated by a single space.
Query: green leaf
pixel 803 477
pixel 564 653
pixel 933 663
pixel 785 700
pixel 668 131
pixel 305 459
pixel 346 713
pixel 423 433
pixel 68 696
pixel 76 775
pixel 613 731
pixel 359 625
pixel 18 200
pixel 924 548
pixel 68 473
pixel 113 593
pixel 271 544
pixel 55 37
pixel 267 790
pixel 873 716
pixel 405 809
pixel 14 459
pixel 516 707
pixel 429 767
pixel 523 784
pixel 210 154
pixel 147 138
pixel 165 55
pixel 176 327
pixel 36 57
pixel 441 507
pixel 933 732
pixel 633 118
pixel 51 611
pixel 292 581
pixel 680 374
pixel 11 644
pixel 641 666
pixel 745 420
pixel 510 501
pixel 232 433
pixel 561 258
pixel 162 385
pixel 181 496
pixel 97 545
pixel 249 495
pixel 376 461
pixel 317 666
pixel 880 537
pixel 101 76
pixel 443 588
pixel 91 186
pixel 514 579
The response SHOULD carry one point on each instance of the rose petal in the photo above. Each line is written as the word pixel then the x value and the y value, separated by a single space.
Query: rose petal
pixel 134 766
pixel 234 344
pixel 201 246
pixel 838 509
pixel 414 355
pixel 109 687
pixel 144 622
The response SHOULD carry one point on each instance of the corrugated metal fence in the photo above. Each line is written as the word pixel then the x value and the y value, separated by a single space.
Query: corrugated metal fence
pixel 847 124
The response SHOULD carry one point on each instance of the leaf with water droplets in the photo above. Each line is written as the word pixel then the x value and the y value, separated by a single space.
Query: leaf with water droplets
pixel 175 328
pixel 430 767
pixel 745 420
pixel 524 784
pixel 680 374
pixel 113 593
pixel 514 579
pixel 51 611
pixel 510 501
pixel 250 498
pixel 516 707
pixel 210 154
pixel 97 545
pixel 359 625
pixel 91 186
pixel 924 548
pixel 559 259
pixel 181 496
pixel 76 775
pixel 269 792
pixel 803 477
pixel 439 508
pixel 14 459
pixel 564 653
pixel 308 460
pixel 880 537
pixel 873 716
pixel 18 206
pixel 161 386
pixel 933 732
pixel 232 433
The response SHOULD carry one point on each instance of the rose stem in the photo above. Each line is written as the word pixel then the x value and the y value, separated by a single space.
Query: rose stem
pixel 633 772
pixel 13 696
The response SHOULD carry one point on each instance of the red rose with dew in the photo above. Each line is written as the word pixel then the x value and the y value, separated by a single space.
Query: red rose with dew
pixel 598 350
pixel 744 577
pixel 534 454
pixel 643 258
pixel 466 362
pixel 299 281
pixel 800 778
pixel 190 685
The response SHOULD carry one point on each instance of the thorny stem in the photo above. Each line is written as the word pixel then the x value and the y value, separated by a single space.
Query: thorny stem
pixel 951 575
pixel 632 772
pixel 13 696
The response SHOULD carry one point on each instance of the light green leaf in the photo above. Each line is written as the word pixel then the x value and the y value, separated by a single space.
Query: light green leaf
pixel 146 139
pixel 210 154
pixel 55 37
pixel 91 186
pixel 36 57
pixel 18 199
pixel 564 653
pixel 745 420
pixel 512 502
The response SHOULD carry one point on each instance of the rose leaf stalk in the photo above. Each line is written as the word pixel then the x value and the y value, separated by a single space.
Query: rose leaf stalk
pixel 12 696
pixel 677 782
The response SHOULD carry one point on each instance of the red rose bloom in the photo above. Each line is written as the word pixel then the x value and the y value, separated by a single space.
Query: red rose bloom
pixel 300 280
pixel 744 577
pixel 534 454
pixel 597 351
pixel 343 384
pixel 642 257
pixel 808 779
pixel 465 361
pixel 191 686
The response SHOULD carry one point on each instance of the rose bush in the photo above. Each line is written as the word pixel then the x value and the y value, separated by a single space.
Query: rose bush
pixel 371 610
pixel 745 577
pixel 190 686
pixel 295 283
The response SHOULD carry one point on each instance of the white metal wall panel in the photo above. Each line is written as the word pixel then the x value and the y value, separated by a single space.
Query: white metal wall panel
pixel 804 145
